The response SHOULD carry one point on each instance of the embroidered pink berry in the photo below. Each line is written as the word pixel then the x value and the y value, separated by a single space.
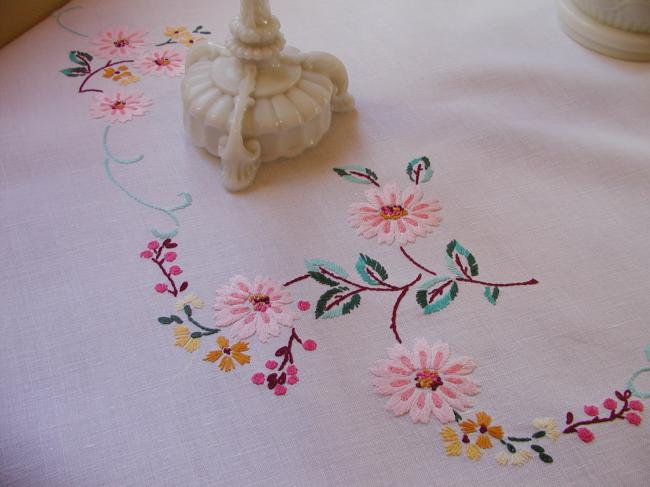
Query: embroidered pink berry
pixel 153 245
pixel 609 403
pixel 292 370
pixel 304 305
pixel 309 345
pixel 160 287
pixel 636 405
pixel 271 364
pixel 633 418
pixel 591 410
pixel 585 435
pixel 292 379
pixel 280 390
pixel 258 378
pixel 146 254
pixel 170 256
pixel 175 270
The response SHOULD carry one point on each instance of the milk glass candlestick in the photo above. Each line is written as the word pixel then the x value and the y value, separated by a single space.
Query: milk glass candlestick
pixel 255 100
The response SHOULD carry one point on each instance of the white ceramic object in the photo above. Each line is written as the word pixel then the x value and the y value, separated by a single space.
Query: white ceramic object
pixel 255 100
pixel 616 28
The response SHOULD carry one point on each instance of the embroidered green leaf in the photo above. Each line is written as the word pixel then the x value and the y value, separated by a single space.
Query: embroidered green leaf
pixel 539 434
pixel 75 72
pixel 322 278
pixel 317 265
pixel 436 294
pixel 367 267
pixel 491 294
pixel 78 57
pixel 336 302
pixel 196 334
pixel 188 310
pixel 356 174
pixel 460 261
pixel 168 320
pixel 419 170
pixel 457 416
pixel 511 448
pixel 537 448
pixel 544 457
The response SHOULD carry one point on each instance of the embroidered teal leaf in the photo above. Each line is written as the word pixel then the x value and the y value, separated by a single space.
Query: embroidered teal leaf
pixel 367 266
pixel 537 448
pixel 315 265
pixel 419 170
pixel 436 294
pixel 460 261
pixel 163 320
pixel 491 294
pixel 336 302
pixel 322 278
pixel 357 174
pixel 78 57
pixel 188 310
pixel 75 72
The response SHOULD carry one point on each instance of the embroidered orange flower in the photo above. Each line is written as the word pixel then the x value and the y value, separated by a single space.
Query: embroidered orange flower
pixel 121 74
pixel 189 341
pixel 482 425
pixel 189 40
pixel 225 354
pixel 454 444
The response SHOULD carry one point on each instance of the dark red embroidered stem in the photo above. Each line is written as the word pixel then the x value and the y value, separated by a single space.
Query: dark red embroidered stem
pixel 462 268
pixel 417 172
pixel 377 279
pixel 286 350
pixel 365 176
pixel 393 319
pixel 614 415
pixel 93 73
pixel 415 263
pixel 297 279
pixel 438 291
pixel 343 297
pixel 159 262
pixel 498 284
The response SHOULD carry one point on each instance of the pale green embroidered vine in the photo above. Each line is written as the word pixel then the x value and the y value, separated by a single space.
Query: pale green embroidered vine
pixel 58 16
pixel 187 198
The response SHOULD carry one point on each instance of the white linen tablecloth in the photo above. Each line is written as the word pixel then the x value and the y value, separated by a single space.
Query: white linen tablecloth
pixel 540 153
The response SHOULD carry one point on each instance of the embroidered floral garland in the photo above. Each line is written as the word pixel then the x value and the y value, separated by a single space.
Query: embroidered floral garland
pixel 422 382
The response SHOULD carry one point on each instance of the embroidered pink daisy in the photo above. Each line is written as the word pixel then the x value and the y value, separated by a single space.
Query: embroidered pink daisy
pixel 117 42
pixel 425 382
pixel 119 107
pixel 253 307
pixel 392 215
pixel 162 61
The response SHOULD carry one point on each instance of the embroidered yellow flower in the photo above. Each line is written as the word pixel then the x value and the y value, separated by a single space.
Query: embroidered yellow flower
pixel 176 32
pixel 549 426
pixel 121 74
pixel 518 458
pixel 225 354
pixel 482 426
pixel 454 444
pixel 185 339
pixel 194 301
pixel 189 40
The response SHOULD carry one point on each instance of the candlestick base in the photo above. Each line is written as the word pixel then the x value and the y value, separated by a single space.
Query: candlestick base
pixel 250 102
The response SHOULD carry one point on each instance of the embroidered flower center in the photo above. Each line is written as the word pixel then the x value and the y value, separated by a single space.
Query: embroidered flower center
pixel 118 105
pixel 393 212
pixel 227 350
pixel 465 439
pixel 428 379
pixel 260 302
pixel 162 61
pixel 483 429
pixel 121 43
